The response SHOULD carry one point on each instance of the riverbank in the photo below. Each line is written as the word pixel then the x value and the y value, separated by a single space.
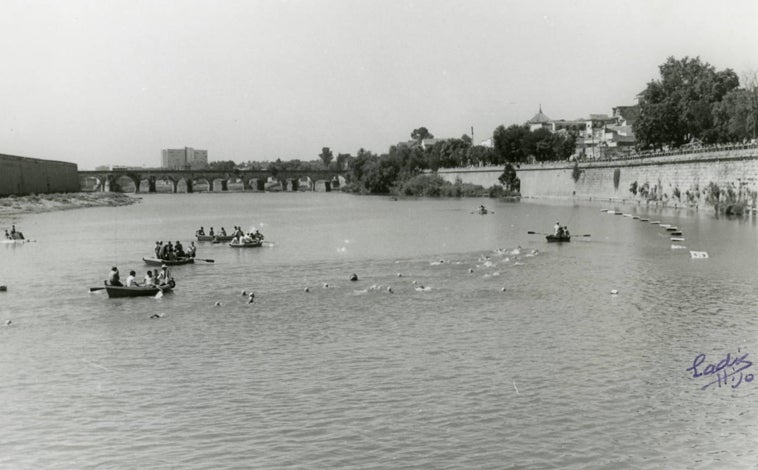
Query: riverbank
pixel 36 203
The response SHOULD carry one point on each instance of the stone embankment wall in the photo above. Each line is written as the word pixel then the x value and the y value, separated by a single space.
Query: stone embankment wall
pixel 673 179
pixel 21 175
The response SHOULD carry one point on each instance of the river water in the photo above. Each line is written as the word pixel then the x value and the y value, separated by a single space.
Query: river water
pixel 493 350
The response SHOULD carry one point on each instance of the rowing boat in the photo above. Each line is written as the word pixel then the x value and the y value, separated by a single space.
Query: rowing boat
pixel 168 262
pixel 136 291
pixel 214 238
pixel 252 244
pixel 558 239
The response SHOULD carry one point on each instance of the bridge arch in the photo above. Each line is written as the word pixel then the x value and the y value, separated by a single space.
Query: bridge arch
pixel 166 180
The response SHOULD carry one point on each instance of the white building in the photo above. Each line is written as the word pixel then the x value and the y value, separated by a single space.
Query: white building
pixel 184 159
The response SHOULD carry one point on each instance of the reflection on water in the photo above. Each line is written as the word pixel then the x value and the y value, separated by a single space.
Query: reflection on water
pixel 465 343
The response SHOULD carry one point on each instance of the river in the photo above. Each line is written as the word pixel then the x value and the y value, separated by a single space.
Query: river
pixel 465 343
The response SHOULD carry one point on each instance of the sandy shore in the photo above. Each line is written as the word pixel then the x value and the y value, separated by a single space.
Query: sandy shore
pixel 13 205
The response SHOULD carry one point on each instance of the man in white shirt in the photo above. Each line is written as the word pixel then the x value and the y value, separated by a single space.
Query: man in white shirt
pixel 164 276
pixel 131 281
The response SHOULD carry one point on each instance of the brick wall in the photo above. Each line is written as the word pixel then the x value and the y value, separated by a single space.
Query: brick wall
pixel 21 175
pixel 693 173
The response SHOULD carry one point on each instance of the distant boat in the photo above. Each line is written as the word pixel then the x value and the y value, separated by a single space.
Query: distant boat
pixel 253 244
pixel 214 238
pixel 136 291
pixel 558 239
pixel 168 262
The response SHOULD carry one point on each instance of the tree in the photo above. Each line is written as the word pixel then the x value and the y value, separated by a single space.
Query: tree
pixel 420 134
pixel 679 106
pixel 508 143
pixel 737 114
pixel 342 161
pixel 326 156
pixel 222 165
pixel 509 179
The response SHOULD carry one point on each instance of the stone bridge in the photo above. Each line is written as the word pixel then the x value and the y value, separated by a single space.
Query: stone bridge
pixel 146 180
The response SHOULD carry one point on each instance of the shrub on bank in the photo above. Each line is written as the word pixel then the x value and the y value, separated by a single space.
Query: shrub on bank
pixel 429 185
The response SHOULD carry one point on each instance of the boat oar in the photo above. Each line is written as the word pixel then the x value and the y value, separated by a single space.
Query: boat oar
pixel 95 289
pixel 543 233
pixel 206 260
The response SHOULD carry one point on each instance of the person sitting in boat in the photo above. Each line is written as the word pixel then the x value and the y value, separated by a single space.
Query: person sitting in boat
pixel 223 232
pixel 164 251
pixel 16 235
pixel 164 277
pixel 171 252
pixel 566 231
pixel 114 279
pixel 149 281
pixel 7 235
pixel 179 249
pixel 191 250
pixel 559 233
pixel 248 238
pixel 201 231
pixel 258 235
pixel 130 280
pixel 556 228
pixel 211 232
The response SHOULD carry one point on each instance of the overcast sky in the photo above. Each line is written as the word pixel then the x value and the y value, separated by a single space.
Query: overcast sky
pixel 106 82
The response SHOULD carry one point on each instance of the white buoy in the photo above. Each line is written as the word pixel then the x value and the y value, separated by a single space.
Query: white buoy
pixel 217 304
pixel 614 291
pixel 699 254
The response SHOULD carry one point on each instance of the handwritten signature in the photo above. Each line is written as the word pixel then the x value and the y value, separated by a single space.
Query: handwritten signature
pixel 729 369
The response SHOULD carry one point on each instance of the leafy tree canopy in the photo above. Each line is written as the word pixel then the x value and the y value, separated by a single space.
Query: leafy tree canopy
pixel 420 134
pixel 679 106
pixel 326 156
pixel 222 165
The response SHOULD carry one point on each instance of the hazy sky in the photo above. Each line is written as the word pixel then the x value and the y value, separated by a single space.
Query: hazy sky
pixel 105 82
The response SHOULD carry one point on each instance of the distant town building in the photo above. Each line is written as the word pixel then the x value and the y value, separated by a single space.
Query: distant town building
pixel 540 121
pixel 184 159
pixel 598 135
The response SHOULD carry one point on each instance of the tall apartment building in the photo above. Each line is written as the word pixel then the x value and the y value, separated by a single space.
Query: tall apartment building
pixel 184 159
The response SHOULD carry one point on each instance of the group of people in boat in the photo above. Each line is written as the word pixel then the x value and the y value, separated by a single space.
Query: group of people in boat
pixel 13 234
pixel 242 238
pixel 239 235
pixel 211 233
pixel 152 278
pixel 169 251
pixel 561 231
